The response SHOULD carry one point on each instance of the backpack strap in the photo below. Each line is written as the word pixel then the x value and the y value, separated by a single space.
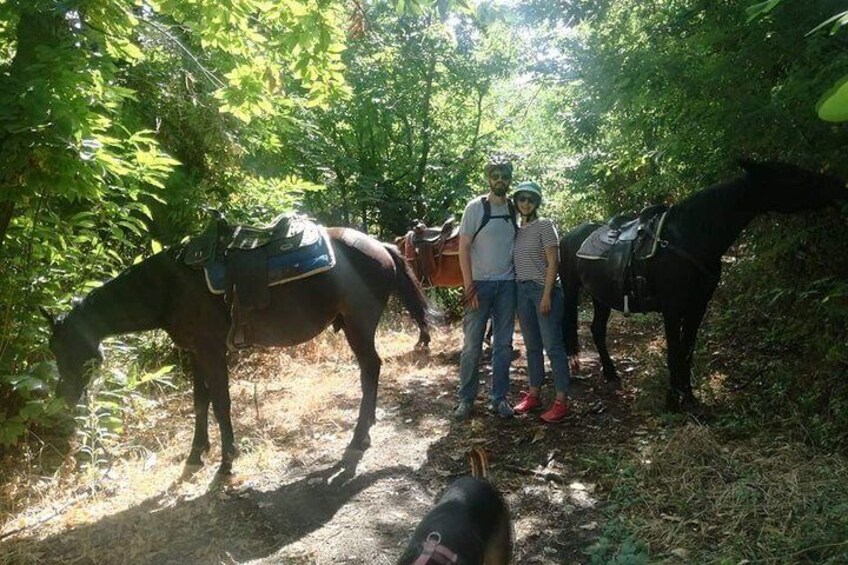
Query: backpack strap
pixel 487 215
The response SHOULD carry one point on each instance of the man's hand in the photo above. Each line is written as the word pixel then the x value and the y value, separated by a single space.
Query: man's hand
pixel 470 297
pixel 574 363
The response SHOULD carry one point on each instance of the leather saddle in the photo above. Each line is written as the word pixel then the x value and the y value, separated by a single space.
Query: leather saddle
pixel 424 248
pixel 622 244
pixel 242 262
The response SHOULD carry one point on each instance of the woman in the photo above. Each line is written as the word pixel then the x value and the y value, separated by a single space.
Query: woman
pixel 540 303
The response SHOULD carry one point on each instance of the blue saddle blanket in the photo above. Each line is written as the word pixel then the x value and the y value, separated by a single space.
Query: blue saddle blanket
pixel 314 255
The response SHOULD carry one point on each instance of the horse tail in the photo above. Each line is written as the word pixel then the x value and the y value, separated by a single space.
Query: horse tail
pixel 571 284
pixel 411 294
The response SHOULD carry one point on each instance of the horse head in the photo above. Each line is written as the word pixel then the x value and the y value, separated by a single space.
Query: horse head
pixel 782 187
pixel 76 352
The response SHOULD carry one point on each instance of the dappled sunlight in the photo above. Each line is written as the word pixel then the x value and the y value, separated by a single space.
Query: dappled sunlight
pixel 298 496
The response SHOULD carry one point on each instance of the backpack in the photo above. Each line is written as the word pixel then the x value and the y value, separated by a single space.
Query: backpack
pixel 487 215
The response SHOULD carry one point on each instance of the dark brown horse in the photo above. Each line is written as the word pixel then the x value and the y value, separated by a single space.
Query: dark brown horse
pixel 163 293
pixel 685 271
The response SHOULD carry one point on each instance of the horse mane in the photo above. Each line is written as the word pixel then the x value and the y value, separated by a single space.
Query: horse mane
pixel 139 288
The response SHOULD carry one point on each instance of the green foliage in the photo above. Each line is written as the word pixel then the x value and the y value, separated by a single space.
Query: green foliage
pixel 28 402
pixel 113 397
pixel 659 98
pixel 617 548
pixel 780 322
pixel 449 302
pixel 833 105
pixel 410 140
pixel 121 121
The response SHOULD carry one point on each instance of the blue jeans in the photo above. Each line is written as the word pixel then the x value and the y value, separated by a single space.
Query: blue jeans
pixel 496 299
pixel 543 331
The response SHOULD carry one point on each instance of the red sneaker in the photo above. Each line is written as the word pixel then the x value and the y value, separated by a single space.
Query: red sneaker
pixel 528 402
pixel 557 413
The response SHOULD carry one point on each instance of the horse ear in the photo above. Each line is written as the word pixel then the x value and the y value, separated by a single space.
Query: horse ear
pixel 50 318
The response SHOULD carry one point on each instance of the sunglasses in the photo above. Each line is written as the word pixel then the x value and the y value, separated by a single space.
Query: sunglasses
pixel 498 175
pixel 522 199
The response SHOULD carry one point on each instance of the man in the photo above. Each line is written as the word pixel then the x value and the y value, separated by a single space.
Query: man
pixel 486 238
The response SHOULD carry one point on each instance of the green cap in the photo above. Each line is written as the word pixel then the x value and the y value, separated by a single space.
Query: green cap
pixel 528 186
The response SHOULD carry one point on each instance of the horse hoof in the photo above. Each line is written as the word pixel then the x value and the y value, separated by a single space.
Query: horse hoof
pixel 360 445
pixel 226 469
pixel 190 470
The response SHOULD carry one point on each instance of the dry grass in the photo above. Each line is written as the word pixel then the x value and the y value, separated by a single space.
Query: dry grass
pixel 680 493
pixel 274 394
pixel 695 495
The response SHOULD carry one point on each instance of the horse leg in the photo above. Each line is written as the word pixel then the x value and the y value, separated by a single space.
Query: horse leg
pixel 599 334
pixel 213 367
pixel 360 337
pixel 675 356
pixel 691 322
pixel 200 443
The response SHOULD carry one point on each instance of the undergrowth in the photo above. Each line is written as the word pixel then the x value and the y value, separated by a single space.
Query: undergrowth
pixel 702 499
pixel 780 327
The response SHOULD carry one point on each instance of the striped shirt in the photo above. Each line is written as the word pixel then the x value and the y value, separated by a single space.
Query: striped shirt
pixel 531 241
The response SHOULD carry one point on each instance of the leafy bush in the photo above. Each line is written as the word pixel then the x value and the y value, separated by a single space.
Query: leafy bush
pixel 113 396
pixel 780 327
pixel 28 402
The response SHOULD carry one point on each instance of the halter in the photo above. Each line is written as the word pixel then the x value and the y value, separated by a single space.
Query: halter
pixel 434 552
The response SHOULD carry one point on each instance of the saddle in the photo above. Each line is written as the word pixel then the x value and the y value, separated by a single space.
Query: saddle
pixel 242 262
pixel 623 244
pixel 428 249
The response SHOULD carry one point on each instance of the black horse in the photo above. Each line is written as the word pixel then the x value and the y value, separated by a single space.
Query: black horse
pixel 683 275
pixel 163 293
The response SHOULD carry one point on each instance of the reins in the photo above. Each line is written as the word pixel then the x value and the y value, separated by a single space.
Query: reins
pixel 666 244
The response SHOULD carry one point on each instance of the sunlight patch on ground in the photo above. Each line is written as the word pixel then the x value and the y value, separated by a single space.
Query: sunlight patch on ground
pixel 275 394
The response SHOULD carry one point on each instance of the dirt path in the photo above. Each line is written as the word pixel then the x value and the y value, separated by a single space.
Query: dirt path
pixel 292 499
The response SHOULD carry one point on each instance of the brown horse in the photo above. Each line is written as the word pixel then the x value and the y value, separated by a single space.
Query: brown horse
pixel 161 292
pixel 432 253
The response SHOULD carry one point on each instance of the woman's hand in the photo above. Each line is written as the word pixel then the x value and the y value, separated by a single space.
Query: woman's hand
pixel 545 305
